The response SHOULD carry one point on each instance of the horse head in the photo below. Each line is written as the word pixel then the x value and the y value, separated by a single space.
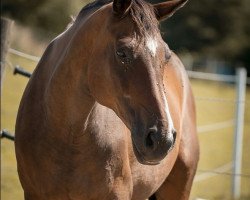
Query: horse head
pixel 125 72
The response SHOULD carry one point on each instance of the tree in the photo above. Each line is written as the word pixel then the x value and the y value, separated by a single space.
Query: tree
pixel 215 28
pixel 220 29
pixel 47 17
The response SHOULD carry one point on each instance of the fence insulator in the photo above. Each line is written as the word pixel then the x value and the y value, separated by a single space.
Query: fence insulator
pixel 21 71
pixel 6 134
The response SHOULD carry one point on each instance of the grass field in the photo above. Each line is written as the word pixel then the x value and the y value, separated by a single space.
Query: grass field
pixel 216 146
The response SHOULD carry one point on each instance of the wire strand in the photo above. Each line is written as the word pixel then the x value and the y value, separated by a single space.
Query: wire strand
pixel 223 173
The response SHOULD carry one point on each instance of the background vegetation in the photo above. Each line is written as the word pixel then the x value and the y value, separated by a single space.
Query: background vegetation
pixel 218 29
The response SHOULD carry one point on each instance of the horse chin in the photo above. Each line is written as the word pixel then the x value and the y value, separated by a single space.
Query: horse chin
pixel 141 158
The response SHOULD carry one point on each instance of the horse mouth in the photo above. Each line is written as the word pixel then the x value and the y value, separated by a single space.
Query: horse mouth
pixel 141 158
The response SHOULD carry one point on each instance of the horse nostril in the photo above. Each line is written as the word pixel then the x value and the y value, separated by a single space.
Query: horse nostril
pixel 150 138
pixel 174 135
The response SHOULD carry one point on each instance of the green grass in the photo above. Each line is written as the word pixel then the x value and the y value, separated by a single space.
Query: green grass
pixel 216 146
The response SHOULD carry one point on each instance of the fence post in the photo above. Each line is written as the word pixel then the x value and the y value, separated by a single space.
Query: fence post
pixel 5 40
pixel 239 128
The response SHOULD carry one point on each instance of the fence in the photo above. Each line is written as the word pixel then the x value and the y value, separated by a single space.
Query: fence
pixel 6 25
pixel 241 81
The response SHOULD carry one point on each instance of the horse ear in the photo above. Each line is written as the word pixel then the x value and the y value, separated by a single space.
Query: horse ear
pixel 167 9
pixel 121 7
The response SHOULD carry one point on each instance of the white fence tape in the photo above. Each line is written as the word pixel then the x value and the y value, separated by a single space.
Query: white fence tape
pixel 24 55
pixel 213 77
pixel 219 170
pixel 215 126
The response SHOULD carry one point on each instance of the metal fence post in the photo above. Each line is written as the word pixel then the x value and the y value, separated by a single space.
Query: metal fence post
pixel 5 39
pixel 239 128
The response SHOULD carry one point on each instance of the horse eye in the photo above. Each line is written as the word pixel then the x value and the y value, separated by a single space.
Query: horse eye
pixel 124 56
pixel 121 54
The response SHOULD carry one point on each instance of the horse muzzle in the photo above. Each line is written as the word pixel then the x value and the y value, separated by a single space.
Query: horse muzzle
pixel 155 145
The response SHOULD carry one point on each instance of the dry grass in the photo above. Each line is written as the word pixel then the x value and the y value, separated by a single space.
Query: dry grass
pixel 216 147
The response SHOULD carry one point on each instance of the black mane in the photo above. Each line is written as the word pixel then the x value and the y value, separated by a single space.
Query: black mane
pixel 142 14
pixel 93 6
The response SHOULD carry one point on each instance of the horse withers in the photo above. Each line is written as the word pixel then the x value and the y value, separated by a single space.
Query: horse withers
pixel 108 112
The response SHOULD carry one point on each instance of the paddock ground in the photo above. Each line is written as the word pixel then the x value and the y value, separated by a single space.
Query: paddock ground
pixel 214 105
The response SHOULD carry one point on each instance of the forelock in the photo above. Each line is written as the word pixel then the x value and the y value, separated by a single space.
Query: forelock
pixel 143 15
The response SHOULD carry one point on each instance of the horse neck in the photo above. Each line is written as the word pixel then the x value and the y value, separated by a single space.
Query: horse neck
pixel 68 100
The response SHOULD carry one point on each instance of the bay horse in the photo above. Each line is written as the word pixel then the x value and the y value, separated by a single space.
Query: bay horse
pixel 108 112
